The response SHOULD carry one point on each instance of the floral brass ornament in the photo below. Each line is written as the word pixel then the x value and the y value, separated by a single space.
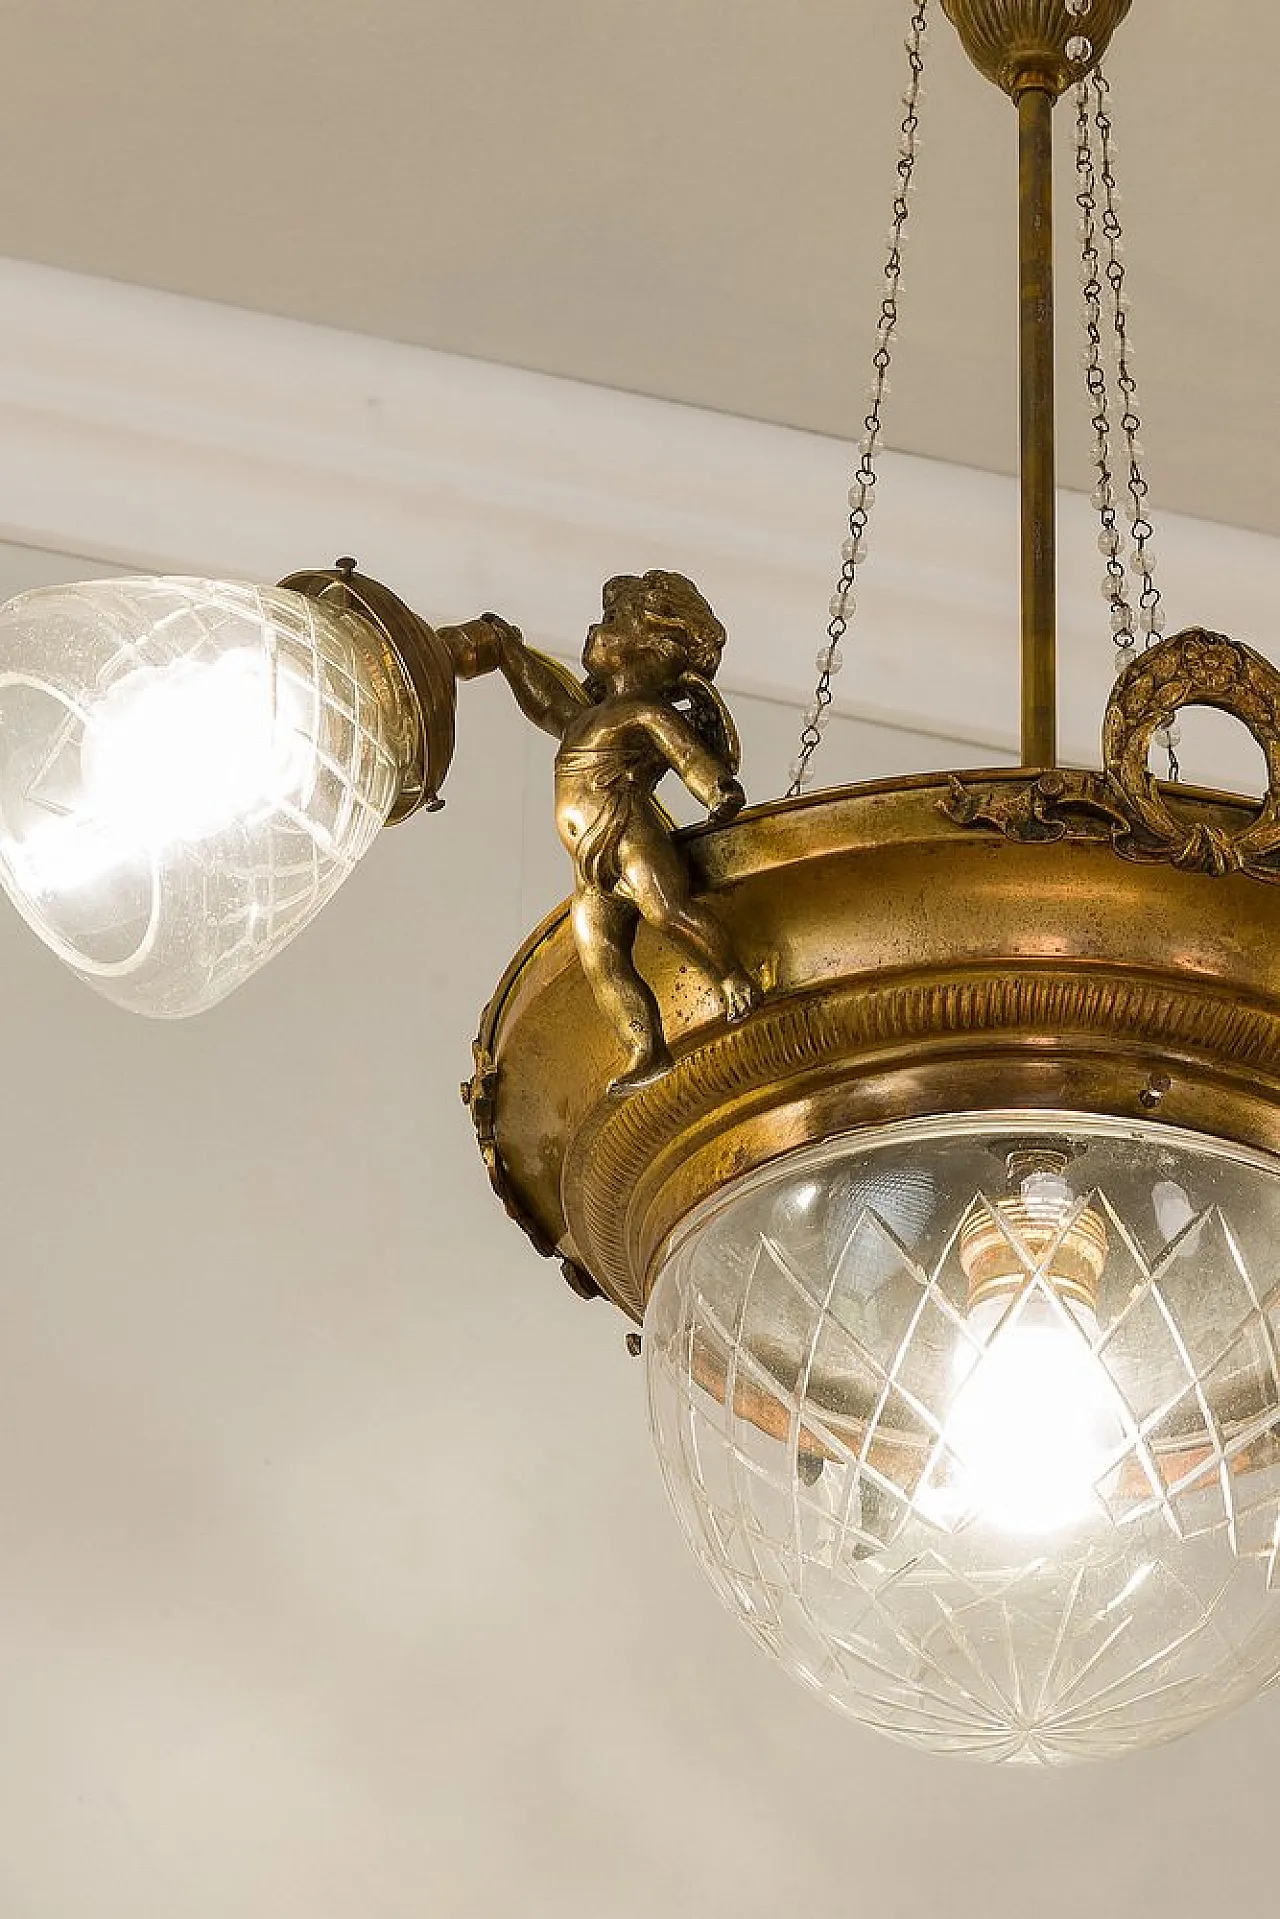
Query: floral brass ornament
pixel 478 1096
pixel 647 707
pixel 1125 802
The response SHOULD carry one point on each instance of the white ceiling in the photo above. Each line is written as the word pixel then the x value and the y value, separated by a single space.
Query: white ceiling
pixel 665 195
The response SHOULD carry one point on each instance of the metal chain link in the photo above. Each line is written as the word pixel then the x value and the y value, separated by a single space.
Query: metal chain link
pixel 1098 168
pixel 862 492
pixel 1111 540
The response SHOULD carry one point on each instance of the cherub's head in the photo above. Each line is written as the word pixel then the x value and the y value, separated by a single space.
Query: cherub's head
pixel 653 628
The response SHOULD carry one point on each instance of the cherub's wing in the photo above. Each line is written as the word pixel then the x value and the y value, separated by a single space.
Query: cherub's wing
pixel 711 719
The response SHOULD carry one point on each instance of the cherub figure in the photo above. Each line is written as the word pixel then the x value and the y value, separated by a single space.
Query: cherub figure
pixel 656 646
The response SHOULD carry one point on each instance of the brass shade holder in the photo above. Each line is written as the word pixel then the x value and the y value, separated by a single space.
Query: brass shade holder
pixel 419 667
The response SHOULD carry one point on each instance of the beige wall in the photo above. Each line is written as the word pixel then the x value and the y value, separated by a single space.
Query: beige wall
pixel 336 1580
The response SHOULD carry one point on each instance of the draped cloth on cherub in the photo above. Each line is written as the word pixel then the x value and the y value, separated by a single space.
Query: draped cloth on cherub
pixel 619 776
pixel 623 775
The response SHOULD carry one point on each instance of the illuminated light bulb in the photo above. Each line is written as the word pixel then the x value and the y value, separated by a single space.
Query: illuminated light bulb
pixel 1034 1428
pixel 1034 1425
pixel 176 753
pixel 59 857
pixel 170 756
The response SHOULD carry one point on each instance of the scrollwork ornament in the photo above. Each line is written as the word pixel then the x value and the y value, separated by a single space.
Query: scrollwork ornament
pixel 1060 805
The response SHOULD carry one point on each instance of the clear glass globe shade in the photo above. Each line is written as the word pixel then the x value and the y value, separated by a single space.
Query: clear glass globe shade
pixel 1034 1519
pixel 188 771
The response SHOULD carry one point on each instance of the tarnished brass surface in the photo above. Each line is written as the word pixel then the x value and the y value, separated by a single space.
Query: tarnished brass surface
pixel 1038 459
pixel 1125 804
pixel 1196 669
pixel 420 666
pixel 1023 43
pixel 916 967
pixel 647 707
pixel 993 1267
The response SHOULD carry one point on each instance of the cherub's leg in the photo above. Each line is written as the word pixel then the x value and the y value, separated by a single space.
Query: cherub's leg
pixel 656 880
pixel 605 929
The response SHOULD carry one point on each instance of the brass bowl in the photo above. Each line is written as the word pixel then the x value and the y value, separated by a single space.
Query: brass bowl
pixel 914 966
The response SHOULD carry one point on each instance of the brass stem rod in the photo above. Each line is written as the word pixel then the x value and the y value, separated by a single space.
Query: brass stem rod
pixel 1039 505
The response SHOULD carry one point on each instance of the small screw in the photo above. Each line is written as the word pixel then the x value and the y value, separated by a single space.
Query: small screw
pixel 346 566
pixel 1153 1093
pixel 635 1345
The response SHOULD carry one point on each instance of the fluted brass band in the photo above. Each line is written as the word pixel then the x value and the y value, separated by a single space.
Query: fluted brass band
pixel 1019 44
pixel 418 669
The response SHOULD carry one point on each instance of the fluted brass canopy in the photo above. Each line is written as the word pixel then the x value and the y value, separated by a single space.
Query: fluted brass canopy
pixel 1021 44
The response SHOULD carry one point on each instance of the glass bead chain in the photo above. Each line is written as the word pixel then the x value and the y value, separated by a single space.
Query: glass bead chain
pixel 1150 607
pixel 1111 541
pixel 862 492
pixel 1079 47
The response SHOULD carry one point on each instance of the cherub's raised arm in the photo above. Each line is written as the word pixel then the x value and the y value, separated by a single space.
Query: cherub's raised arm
pixel 545 693
pixel 708 777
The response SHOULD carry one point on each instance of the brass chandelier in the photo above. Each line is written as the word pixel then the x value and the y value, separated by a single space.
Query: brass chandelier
pixel 930 1129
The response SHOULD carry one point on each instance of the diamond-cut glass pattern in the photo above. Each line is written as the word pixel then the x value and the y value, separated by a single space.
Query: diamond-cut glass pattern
pixel 809 1352
pixel 166 870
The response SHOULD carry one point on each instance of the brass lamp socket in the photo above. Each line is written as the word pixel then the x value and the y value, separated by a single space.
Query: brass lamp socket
pixel 418 667
pixel 1023 45
pixel 995 1267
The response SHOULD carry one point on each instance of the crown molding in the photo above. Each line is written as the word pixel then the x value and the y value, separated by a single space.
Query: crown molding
pixel 172 434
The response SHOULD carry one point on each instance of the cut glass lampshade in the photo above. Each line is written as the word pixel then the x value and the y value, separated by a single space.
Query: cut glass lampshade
pixel 188 772
pixel 1035 1519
